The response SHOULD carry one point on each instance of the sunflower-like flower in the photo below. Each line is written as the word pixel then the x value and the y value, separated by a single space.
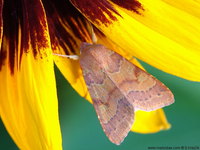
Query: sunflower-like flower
pixel 163 33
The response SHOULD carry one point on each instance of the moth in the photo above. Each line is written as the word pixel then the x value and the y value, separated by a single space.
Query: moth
pixel 118 88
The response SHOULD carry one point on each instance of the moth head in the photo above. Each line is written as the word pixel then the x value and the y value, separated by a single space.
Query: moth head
pixel 84 46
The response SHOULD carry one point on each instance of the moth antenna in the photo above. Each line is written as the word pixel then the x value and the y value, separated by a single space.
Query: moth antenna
pixel 93 35
pixel 74 57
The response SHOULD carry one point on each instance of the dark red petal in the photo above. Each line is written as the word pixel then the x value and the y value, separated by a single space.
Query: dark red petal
pixel 132 5
pixel 102 11
pixel 95 10
pixel 24 24
pixel 67 26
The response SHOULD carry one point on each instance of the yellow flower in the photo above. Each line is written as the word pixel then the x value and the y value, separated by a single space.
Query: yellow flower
pixel 163 33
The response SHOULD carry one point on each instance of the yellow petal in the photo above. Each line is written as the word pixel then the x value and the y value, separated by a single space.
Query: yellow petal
pixel 67 30
pixel 159 34
pixel 191 7
pixel 72 72
pixel 150 122
pixel 28 104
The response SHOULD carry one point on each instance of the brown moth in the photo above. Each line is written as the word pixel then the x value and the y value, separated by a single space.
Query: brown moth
pixel 118 88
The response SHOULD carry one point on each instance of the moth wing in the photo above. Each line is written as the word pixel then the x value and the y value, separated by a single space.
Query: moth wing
pixel 146 92
pixel 141 89
pixel 114 111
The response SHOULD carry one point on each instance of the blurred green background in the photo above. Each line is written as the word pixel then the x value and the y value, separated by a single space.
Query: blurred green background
pixel 81 129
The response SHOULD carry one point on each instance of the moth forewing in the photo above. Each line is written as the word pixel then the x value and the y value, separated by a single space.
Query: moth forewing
pixel 117 88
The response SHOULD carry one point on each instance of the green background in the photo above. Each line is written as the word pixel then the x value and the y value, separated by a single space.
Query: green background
pixel 81 129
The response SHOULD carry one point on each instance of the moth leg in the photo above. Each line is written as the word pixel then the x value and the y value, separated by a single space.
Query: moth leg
pixel 74 57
